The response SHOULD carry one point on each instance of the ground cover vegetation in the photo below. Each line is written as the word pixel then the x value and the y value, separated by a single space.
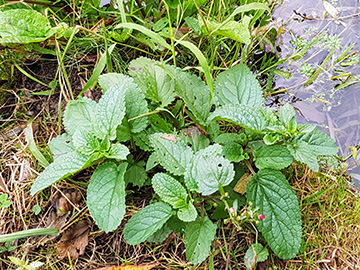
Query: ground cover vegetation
pixel 172 116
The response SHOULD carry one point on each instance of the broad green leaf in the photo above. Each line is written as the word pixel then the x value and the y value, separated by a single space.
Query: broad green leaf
pixel 78 114
pixel 136 174
pixel 255 253
pixel 304 153
pixel 172 156
pixel 134 98
pixel 306 128
pixel 187 213
pixel 209 171
pixel 85 142
pixel 238 85
pixel 286 113
pixel 169 190
pixel 110 111
pixel 61 145
pixel 142 141
pixel 157 85
pixel 269 191
pixel 152 162
pixel 106 195
pixel 160 235
pixel 24 26
pixel 234 152
pixel 146 222
pixel 118 151
pixel 199 235
pixel 136 105
pixel 271 138
pixel 195 137
pixel 238 31
pixel 319 142
pixel 272 157
pixel 63 166
pixel 159 124
pixel 242 115
pixel 193 91
pixel 225 138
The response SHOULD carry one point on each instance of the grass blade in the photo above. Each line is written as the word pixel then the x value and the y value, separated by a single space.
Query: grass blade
pixel 203 63
pixel 27 233
pixel 154 36
pixel 32 146
pixel 97 70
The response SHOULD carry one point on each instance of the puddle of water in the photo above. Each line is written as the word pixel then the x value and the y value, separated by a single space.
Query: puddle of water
pixel 337 111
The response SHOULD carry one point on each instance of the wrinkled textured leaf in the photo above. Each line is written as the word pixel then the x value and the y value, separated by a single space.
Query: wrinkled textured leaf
pixel 320 142
pixel 146 222
pixel 306 128
pixel 169 190
pixel 286 113
pixel 136 174
pixel 85 142
pixel 208 171
pixel 24 26
pixel 134 98
pixel 271 193
pixel 255 253
pixel 157 85
pixel 231 137
pixel 234 152
pixel 160 235
pixel 199 235
pixel 242 115
pixel 118 151
pixel 272 157
pixel 106 195
pixel 187 213
pixel 110 111
pixel 62 167
pixel 238 85
pixel 172 156
pixel 61 145
pixel 78 114
pixel 302 152
pixel 193 91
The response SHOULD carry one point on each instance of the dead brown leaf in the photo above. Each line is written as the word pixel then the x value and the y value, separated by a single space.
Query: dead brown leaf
pixel 169 137
pixel 74 241
pixel 131 267
pixel 67 201
pixel 240 186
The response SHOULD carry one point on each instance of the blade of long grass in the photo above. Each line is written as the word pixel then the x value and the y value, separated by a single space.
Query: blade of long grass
pixel 154 36
pixel 30 76
pixel 241 9
pixel 321 68
pixel 27 233
pixel 97 70
pixel 203 63
pixel 32 146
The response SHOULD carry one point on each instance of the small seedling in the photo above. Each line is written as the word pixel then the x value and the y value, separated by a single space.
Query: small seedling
pixel 4 202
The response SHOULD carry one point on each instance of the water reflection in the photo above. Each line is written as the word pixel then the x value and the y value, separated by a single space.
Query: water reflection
pixel 324 102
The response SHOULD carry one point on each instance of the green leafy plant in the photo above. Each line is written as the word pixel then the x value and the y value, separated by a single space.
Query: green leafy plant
pixel 21 26
pixel 197 170
pixel 25 265
pixel 4 202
